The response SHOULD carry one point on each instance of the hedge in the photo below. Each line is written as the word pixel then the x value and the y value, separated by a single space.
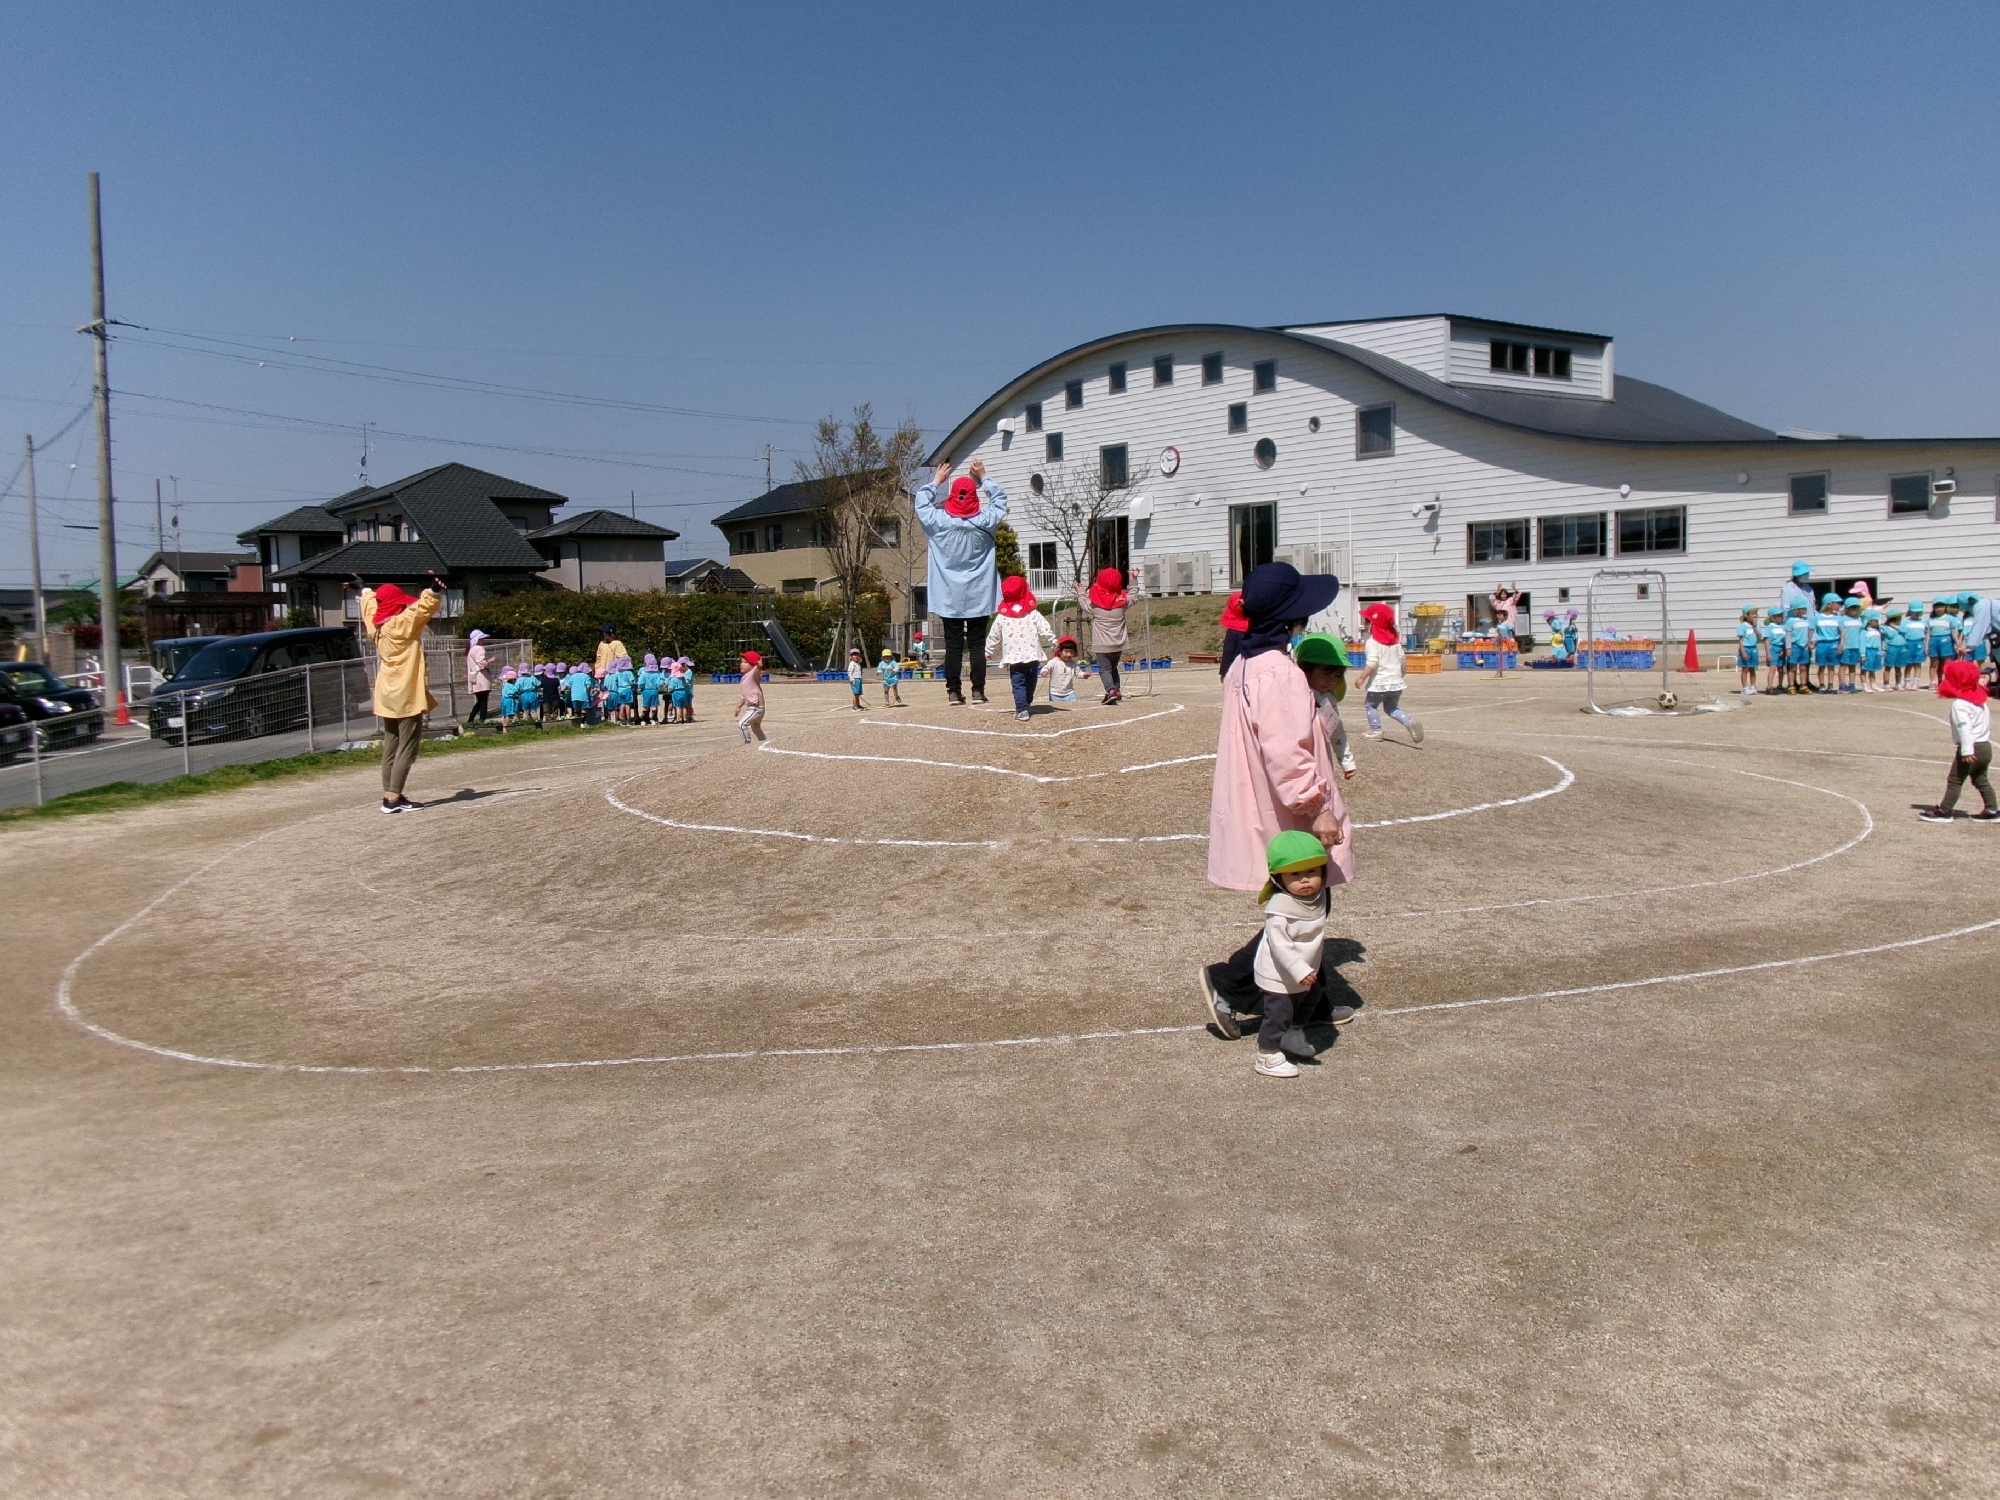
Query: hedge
pixel 708 627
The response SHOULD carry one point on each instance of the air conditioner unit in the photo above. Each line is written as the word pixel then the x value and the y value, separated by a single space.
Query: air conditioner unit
pixel 1007 425
pixel 1154 576
pixel 1942 488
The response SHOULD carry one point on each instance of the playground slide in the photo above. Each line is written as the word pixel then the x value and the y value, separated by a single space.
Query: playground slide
pixel 782 644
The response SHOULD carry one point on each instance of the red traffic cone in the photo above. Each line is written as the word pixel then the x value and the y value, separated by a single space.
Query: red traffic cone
pixel 1693 661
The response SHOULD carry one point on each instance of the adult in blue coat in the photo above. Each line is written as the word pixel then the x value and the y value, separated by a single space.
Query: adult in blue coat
pixel 964 584
pixel 1797 590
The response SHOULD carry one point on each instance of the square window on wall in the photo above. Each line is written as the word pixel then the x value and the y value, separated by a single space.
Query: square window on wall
pixel 1264 376
pixel 1496 541
pixel 1113 467
pixel 1072 394
pixel 1211 369
pixel 1375 432
pixel 1052 448
pixel 1661 528
pixel 1239 416
pixel 1117 378
pixel 1033 412
pixel 1808 494
pixel 1163 369
pixel 1910 495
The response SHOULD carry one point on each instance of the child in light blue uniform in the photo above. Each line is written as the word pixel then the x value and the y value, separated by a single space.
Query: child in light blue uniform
pixel 1798 648
pixel 510 697
pixel 1774 650
pixel 1746 650
pixel 1826 642
pixel 577 684
pixel 1851 641
pixel 1913 646
pixel 620 686
pixel 1871 650
pixel 528 698
pixel 680 691
pixel 651 681
pixel 1941 633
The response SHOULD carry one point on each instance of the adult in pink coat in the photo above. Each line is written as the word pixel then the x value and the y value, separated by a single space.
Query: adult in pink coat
pixel 1273 771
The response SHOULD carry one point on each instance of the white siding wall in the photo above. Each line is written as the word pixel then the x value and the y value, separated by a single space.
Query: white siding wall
pixel 1472 354
pixel 1741 541
pixel 1421 343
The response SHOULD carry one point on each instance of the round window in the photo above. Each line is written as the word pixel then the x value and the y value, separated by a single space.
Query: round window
pixel 1312 424
pixel 1035 483
pixel 1266 453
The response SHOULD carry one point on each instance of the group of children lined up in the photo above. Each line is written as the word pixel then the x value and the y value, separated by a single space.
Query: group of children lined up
pixel 658 692
pixel 1853 645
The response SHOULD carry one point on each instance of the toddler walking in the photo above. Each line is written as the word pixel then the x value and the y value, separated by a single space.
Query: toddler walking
pixel 750 699
pixel 1062 673
pixel 1972 743
pixel 1296 901
pixel 891 671
pixel 857 680
pixel 1382 676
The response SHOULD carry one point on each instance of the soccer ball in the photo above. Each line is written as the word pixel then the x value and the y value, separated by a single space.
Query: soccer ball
pixel 1669 702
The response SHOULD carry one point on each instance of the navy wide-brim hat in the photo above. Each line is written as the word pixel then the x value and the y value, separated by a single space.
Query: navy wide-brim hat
pixel 1277 592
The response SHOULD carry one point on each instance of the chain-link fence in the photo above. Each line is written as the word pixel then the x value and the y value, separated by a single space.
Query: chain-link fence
pixel 180 730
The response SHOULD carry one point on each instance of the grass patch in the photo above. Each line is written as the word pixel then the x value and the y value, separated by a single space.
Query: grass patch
pixel 1169 620
pixel 116 796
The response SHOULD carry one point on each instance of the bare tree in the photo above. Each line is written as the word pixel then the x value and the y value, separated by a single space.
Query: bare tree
pixel 1073 500
pixel 861 475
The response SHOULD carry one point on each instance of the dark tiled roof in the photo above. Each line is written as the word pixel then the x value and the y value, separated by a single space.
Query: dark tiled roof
pixel 798 498
pixel 452 506
pixel 678 567
pixel 376 560
pixel 450 481
pixel 602 523
pixel 307 520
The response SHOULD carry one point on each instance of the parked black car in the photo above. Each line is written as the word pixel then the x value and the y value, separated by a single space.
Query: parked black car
pixel 13 732
pixel 68 715
pixel 239 687
pixel 173 652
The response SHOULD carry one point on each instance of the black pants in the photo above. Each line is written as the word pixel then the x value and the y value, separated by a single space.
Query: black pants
pixel 1027 676
pixel 1235 982
pixel 482 708
pixel 963 638
pixel 1976 773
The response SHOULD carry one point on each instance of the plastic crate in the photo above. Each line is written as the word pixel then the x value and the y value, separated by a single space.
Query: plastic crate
pixel 1502 661
pixel 1421 663
pixel 1618 661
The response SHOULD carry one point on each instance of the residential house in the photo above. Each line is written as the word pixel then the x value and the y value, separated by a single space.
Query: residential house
pixel 704 575
pixel 603 549
pixel 468 526
pixel 178 572
pixel 778 540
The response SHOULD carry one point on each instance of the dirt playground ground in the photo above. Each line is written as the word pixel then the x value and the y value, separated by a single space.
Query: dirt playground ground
pixel 652 1115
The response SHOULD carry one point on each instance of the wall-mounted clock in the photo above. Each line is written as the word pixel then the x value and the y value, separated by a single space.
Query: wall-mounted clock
pixel 1170 460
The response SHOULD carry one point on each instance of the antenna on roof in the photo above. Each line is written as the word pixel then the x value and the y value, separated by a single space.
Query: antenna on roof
pixel 363 476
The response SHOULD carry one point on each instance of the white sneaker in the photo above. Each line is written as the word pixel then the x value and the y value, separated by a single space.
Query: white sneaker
pixel 1371 734
pixel 1416 733
pixel 1276 1065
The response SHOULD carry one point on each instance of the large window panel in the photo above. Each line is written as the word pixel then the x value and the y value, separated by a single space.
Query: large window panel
pixel 1581 535
pixel 1659 528
pixel 1496 541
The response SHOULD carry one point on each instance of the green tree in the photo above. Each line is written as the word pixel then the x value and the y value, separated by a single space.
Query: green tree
pixel 1007 550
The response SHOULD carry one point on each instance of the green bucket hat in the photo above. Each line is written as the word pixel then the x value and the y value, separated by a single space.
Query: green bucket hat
pixel 1320 650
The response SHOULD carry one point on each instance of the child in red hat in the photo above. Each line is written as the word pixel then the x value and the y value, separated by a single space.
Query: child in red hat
pixel 1972 742
pixel 750 698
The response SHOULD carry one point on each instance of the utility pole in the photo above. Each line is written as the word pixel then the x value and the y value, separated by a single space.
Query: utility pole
pixel 35 563
pixel 767 468
pixel 159 519
pixel 107 536
pixel 634 494
pixel 364 453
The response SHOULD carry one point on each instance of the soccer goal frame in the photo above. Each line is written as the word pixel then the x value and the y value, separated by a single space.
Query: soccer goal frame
pixel 1628 576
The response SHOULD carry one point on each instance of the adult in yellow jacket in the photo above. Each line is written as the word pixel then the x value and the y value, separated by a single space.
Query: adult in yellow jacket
pixel 395 623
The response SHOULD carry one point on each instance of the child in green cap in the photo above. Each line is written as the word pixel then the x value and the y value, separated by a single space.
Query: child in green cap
pixel 1324 660
pixel 1295 901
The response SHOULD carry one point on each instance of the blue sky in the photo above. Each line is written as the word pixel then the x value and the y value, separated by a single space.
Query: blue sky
pixel 771 213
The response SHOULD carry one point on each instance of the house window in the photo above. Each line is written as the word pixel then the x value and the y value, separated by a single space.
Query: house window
pixel 774 537
pixel 1265 453
pixel 1509 358
pixel 1253 536
pixel 1044 567
pixel 1809 494
pixel 821 537
pixel 1111 467
pixel 1239 416
pixel 1375 432
pixel 743 541
pixel 1211 369
pixel 888 531
pixel 1574 536
pixel 1035 483
pixel 1662 528
pixel 1034 413
pixel 1163 370
pixel 1546 360
pixel 1264 376
pixel 1052 448
pixel 1072 394
pixel 1117 381
pixel 920 602
pixel 1552 363
pixel 1910 495
pixel 1496 541
pixel 800 585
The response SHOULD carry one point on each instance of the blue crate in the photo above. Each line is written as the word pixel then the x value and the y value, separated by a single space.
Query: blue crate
pixel 1496 660
pixel 1619 661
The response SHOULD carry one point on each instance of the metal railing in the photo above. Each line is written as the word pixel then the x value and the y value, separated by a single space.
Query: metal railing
pixel 183 728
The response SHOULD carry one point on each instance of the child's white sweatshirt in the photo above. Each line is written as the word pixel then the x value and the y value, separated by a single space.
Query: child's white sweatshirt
pixel 1294 934
pixel 1970 724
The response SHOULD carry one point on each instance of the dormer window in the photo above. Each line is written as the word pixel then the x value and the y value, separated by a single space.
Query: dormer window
pixel 1545 360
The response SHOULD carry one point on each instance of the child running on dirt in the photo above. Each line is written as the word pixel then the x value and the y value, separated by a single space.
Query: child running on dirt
pixel 1972 743
pixel 1061 671
pixel 891 672
pixel 1382 677
pixel 750 699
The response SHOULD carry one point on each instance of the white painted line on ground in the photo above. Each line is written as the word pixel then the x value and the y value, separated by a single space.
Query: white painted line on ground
pixel 1568 781
pixel 954 765
pixel 1028 734
pixel 1643 744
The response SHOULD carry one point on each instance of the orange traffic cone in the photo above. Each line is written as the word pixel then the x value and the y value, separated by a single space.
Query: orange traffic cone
pixel 1693 661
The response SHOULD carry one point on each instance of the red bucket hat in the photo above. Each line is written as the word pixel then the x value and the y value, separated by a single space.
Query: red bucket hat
pixel 1107 590
pixel 391 601
pixel 1961 680
pixel 963 501
pixel 1016 599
